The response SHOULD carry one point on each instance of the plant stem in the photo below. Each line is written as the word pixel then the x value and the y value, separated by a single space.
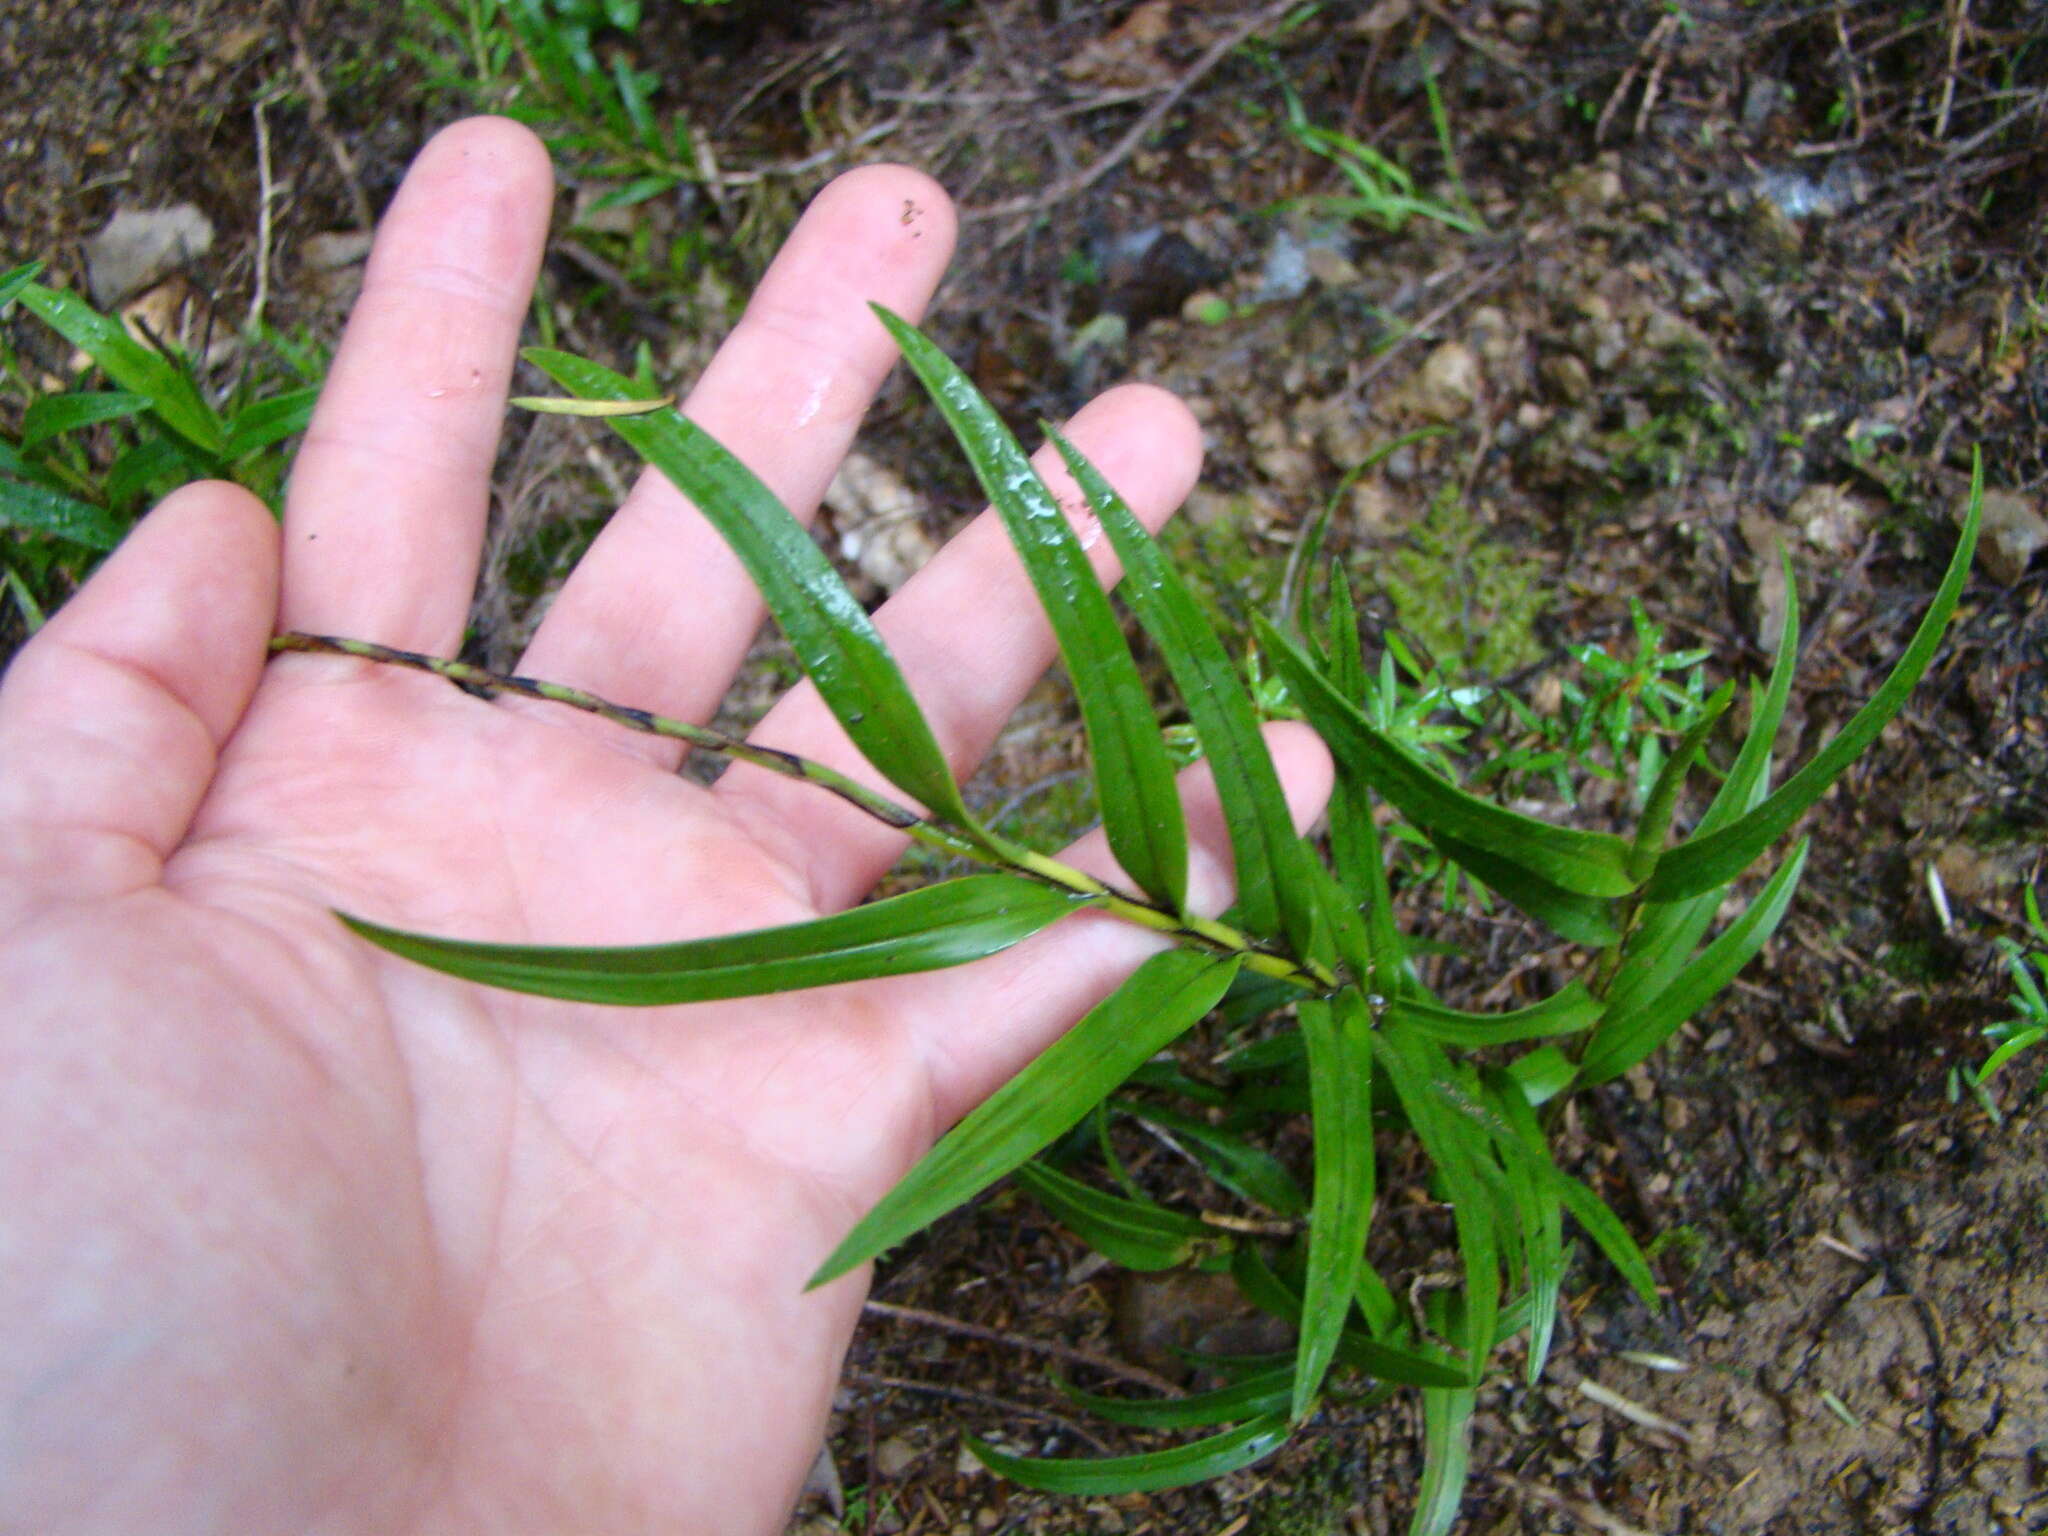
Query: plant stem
pixel 1205 933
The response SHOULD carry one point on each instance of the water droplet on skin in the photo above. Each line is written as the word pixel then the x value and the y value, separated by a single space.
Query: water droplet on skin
pixel 437 391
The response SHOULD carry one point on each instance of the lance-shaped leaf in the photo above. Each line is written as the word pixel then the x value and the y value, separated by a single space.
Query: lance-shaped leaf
pixel 1582 919
pixel 1196 1463
pixel 1375 1357
pixel 1141 814
pixel 1666 933
pixel 1446 1459
pixel 1565 1012
pixel 1159 1001
pixel 55 414
pixel 271 421
pixel 1245 1170
pixel 1138 1234
pixel 1525 1157
pixel 23 505
pixel 1339 1036
pixel 1607 1232
pixel 1587 863
pixel 1701 863
pixel 1262 1393
pixel 1626 1037
pixel 135 367
pixel 834 638
pixel 1417 1068
pixel 928 929
pixel 14 280
pixel 1355 846
pixel 1270 858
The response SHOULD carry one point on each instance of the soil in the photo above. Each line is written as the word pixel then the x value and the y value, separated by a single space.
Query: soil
pixel 1743 272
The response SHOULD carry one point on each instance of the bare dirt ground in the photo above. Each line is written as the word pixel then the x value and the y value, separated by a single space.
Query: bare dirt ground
pixel 1746 271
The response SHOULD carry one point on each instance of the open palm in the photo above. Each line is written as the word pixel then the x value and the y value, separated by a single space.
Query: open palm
pixel 296 1236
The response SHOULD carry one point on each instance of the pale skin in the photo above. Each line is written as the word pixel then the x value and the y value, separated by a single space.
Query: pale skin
pixel 297 1237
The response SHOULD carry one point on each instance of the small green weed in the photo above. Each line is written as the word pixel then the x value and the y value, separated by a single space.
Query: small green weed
pixel 2027 1027
pixel 79 463
pixel 564 68
pixel 1323 1009
pixel 1468 599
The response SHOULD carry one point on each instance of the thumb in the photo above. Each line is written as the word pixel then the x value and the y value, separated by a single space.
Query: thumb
pixel 112 717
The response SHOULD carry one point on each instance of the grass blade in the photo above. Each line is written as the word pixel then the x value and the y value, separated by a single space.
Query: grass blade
pixel 1270 857
pixel 1375 1357
pixel 1145 1473
pixel 1612 1238
pixel 135 367
pixel 1339 1036
pixel 1701 863
pixel 928 929
pixel 1526 1157
pixel 14 280
pixel 1161 999
pixel 1626 1037
pixel 1586 863
pixel 834 638
pixel 1141 814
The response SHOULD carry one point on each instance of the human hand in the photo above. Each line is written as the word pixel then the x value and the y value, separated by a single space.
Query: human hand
pixel 297 1236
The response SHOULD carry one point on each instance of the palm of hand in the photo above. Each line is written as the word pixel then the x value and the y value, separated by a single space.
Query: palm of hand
pixel 418 1254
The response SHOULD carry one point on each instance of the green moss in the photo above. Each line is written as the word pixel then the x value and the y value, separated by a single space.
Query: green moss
pixel 1313 1506
pixel 1470 600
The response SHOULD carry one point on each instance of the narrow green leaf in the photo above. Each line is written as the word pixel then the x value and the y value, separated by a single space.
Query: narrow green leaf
pixel 1160 1000
pixel 15 279
pixel 834 638
pixel 1270 858
pixel 1701 863
pixel 928 929
pixel 1543 1074
pixel 1581 919
pixel 1625 1038
pixel 143 370
pixel 1446 1460
pixel 1141 813
pixel 51 415
pixel 1606 1230
pixel 1265 1392
pixel 568 405
pixel 1662 802
pixel 1565 1012
pixel 1140 1235
pixel 37 507
pixel 1245 1170
pixel 1416 1066
pixel 264 422
pixel 1587 863
pixel 1375 1357
pixel 1526 1158
pixel 1196 1463
pixel 1339 1036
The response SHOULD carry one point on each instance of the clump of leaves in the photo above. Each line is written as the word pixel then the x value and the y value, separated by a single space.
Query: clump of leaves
pixel 84 461
pixel 2028 1026
pixel 563 67
pixel 1360 1043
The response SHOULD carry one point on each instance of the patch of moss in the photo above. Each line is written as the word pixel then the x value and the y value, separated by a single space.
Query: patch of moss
pixel 1470 600
pixel 1313 1506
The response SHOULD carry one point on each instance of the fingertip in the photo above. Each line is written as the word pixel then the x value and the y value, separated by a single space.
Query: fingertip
pixel 922 209
pixel 489 151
